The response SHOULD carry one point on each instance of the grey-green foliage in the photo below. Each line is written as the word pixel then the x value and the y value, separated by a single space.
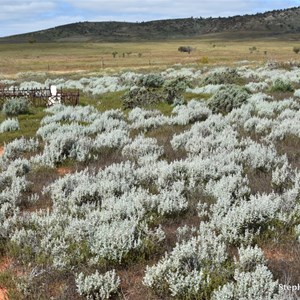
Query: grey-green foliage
pixel 14 107
pixel 222 76
pixel 228 98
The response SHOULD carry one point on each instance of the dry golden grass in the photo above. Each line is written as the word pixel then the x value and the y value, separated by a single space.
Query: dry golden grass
pixel 68 58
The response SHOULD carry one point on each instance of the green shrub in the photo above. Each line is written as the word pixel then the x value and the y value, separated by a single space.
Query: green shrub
pixel 252 49
pixel 296 50
pixel 228 98
pixel 221 76
pixel 14 107
pixel 141 96
pixel 173 90
pixel 155 90
pixel 151 80
pixel 282 86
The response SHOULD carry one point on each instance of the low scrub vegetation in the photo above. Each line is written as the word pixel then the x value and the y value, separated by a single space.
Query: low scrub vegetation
pixel 228 98
pixel 280 85
pixel 14 107
pixel 147 192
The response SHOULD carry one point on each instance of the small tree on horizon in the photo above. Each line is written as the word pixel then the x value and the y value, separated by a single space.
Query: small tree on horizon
pixel 296 49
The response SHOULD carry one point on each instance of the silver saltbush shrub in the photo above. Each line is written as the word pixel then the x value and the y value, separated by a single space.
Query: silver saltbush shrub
pixel 9 125
pixel 17 147
pixel 192 112
pixel 143 150
pixel 252 279
pixel 256 285
pixel 97 286
pixel 186 271
pixel 15 107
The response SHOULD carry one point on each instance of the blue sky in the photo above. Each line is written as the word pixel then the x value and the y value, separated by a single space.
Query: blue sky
pixel 21 16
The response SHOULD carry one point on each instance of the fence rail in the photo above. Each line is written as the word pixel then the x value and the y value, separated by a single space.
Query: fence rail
pixel 40 97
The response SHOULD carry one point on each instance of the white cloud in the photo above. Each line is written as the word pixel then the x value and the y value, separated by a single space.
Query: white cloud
pixel 24 9
pixel 23 26
pixel 180 8
pixel 158 7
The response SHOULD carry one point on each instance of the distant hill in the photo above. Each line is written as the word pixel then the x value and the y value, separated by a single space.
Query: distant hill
pixel 268 24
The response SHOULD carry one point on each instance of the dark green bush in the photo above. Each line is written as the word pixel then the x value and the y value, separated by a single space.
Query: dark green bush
pixel 151 80
pixel 153 89
pixel 228 98
pixel 14 107
pixel 173 90
pixel 296 50
pixel 141 96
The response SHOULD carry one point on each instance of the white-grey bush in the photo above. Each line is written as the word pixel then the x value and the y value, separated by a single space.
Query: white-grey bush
pixel 192 112
pixel 258 284
pixel 185 271
pixel 17 147
pixel 15 106
pixel 97 286
pixel 143 150
pixel 9 125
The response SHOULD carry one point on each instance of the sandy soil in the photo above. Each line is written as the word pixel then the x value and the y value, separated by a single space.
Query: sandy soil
pixel 278 255
pixel 4 264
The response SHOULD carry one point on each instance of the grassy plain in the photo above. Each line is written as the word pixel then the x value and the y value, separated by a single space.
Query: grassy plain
pixel 68 58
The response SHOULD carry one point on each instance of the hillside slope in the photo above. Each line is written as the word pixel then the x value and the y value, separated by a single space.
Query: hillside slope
pixel 273 23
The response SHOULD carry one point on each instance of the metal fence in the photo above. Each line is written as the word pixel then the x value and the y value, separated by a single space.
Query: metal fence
pixel 40 97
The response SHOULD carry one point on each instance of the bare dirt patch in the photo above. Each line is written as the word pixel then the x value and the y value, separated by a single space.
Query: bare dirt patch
pixel 1 150
pixel 284 262
pixel 63 171
pixel 4 265
pixel 131 283
pixel 3 294
pixel 278 255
